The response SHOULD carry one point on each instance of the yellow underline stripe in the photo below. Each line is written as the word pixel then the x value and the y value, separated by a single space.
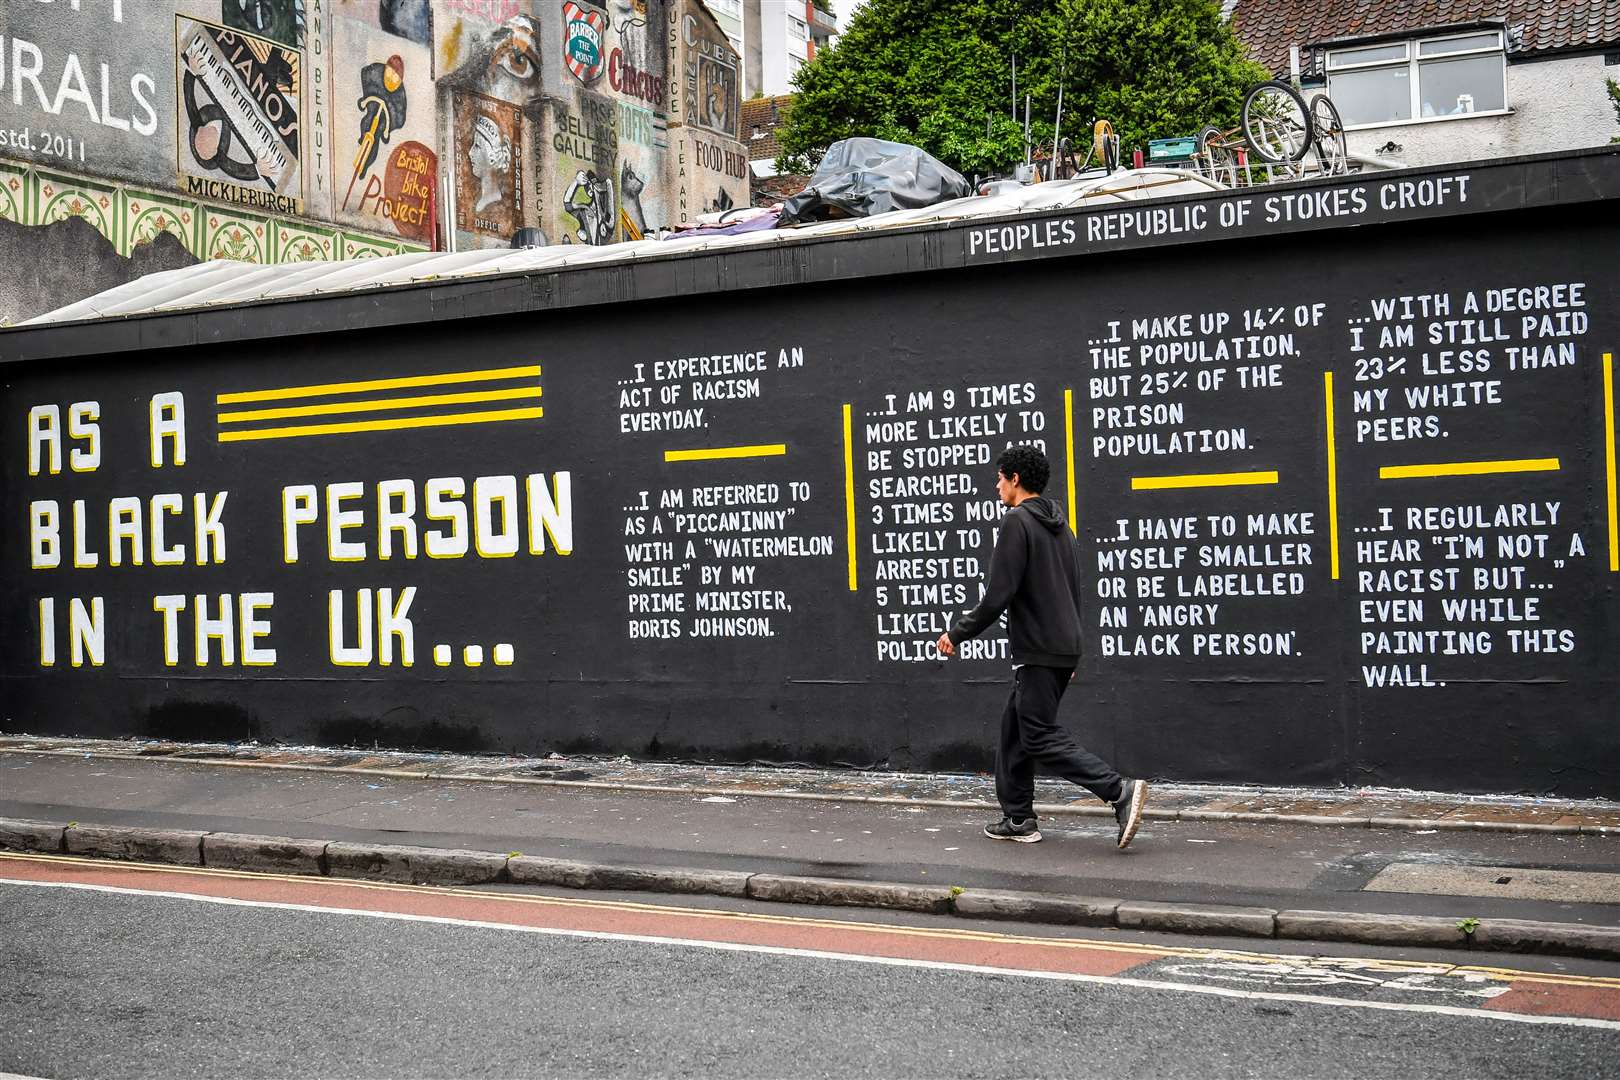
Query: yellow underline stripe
pixel 328 389
pixel 1468 468
pixel 849 496
pixel 1201 480
pixel 350 427
pixel 1068 444
pixel 713 453
pixel 1608 459
pixel 1333 478
pixel 381 404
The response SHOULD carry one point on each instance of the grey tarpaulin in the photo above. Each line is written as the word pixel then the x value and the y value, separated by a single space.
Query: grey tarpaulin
pixel 860 177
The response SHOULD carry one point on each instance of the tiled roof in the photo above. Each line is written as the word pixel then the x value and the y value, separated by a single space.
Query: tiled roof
pixel 760 117
pixel 1268 27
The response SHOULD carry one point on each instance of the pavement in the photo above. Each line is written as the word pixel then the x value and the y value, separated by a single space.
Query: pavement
pixel 1364 865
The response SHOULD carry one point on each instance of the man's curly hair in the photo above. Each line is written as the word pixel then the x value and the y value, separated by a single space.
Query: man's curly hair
pixel 1028 464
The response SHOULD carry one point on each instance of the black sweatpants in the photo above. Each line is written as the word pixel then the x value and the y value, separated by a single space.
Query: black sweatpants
pixel 1031 736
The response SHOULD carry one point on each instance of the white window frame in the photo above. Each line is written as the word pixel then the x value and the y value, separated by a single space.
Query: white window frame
pixel 798 28
pixel 1413 63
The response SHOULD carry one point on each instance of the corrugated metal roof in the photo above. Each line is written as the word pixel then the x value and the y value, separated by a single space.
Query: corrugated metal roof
pixel 224 283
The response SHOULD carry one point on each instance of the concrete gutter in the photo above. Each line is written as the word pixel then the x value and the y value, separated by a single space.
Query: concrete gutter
pixel 437 866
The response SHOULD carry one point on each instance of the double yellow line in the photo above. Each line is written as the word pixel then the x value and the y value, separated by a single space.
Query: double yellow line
pixel 413 403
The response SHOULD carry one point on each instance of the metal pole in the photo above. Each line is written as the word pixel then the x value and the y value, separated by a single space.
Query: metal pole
pixel 1057 130
pixel 1027 157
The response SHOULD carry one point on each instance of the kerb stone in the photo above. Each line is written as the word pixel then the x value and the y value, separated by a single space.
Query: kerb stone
pixel 874 894
pixel 672 880
pixel 414 865
pixel 275 854
pixel 1370 929
pixel 30 836
pixel 534 870
pixel 1037 907
pixel 1566 939
pixel 181 847
pixel 1197 918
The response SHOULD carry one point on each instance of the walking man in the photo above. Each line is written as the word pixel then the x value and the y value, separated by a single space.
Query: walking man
pixel 1035 578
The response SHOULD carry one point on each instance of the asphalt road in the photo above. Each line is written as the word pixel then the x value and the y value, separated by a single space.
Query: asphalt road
pixel 135 984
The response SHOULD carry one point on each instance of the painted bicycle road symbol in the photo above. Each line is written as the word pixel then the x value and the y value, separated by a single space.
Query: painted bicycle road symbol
pixel 1477 991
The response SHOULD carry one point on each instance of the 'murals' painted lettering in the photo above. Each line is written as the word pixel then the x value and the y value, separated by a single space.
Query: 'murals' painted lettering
pixel 23 66
pixel 626 78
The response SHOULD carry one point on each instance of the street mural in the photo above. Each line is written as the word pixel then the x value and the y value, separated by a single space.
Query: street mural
pixel 584 38
pixel 585 148
pixel 395 123
pixel 385 172
pixel 88 89
pixel 1336 518
pixel 708 69
pixel 240 134
pixel 489 167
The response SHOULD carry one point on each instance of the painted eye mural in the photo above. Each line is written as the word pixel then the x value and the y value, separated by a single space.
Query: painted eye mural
pixel 517 51
pixel 505 64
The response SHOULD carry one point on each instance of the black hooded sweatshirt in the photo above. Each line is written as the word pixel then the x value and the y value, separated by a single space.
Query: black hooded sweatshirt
pixel 1034 574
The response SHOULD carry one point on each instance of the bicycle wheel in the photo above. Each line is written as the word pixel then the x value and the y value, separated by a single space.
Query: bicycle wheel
pixel 1276 122
pixel 1332 153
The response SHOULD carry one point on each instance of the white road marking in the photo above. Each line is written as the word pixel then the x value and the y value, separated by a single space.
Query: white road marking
pixel 820 954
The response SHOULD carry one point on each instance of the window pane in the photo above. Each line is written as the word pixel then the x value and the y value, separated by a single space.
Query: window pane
pixel 1370 55
pixel 1372 97
pixel 1492 40
pixel 1459 87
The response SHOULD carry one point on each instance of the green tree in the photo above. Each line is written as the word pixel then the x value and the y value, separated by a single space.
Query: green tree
pixel 1614 99
pixel 938 74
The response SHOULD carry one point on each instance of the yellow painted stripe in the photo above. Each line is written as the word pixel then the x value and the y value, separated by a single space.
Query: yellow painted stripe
pixel 713 453
pixel 350 427
pixel 1608 458
pixel 1202 480
pixel 328 389
pixel 849 496
pixel 1468 468
pixel 1333 477
pixel 381 404
pixel 1068 443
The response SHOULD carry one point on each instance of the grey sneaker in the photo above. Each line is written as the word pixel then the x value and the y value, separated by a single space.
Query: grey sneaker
pixel 1022 830
pixel 1128 810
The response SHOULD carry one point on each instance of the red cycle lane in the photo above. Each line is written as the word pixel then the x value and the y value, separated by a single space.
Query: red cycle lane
pixel 1479 991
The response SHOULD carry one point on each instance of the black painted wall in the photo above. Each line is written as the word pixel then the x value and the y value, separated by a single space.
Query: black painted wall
pixel 1286 680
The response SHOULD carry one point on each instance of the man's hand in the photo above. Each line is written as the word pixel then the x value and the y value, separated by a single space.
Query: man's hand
pixel 945 646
